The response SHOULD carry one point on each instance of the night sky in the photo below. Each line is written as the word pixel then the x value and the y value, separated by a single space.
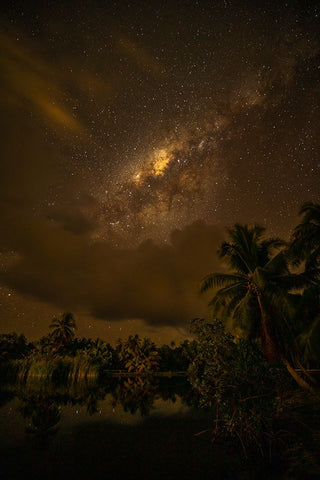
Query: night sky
pixel 131 135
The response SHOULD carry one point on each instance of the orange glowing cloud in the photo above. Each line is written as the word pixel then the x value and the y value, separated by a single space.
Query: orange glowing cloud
pixel 29 79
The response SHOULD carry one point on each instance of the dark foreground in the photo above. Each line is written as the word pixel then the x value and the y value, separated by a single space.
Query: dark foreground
pixel 126 429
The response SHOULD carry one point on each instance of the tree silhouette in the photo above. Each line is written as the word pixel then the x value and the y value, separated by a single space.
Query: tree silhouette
pixel 308 323
pixel 139 355
pixel 305 247
pixel 63 329
pixel 306 238
pixel 254 295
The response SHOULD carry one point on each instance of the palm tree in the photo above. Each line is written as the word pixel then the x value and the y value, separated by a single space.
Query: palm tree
pixel 306 237
pixel 63 329
pixel 254 295
pixel 305 247
pixel 308 322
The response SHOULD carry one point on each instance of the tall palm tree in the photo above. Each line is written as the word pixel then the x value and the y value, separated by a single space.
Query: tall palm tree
pixel 254 295
pixel 305 247
pixel 306 237
pixel 63 329
pixel 308 322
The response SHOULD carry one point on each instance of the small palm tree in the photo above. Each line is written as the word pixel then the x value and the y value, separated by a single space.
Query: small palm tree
pixel 254 295
pixel 63 329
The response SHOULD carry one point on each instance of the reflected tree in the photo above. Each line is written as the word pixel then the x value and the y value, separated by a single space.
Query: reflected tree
pixel 135 394
pixel 43 415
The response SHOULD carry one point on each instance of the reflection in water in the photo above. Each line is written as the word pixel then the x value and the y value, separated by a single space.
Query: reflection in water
pixel 137 427
pixel 135 395
pixel 121 428
pixel 40 402
pixel 43 415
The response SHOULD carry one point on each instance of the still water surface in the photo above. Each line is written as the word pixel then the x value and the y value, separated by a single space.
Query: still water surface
pixel 126 428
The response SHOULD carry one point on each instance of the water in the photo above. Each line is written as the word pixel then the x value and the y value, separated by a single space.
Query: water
pixel 128 428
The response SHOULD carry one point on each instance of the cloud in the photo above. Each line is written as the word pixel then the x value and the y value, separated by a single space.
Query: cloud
pixel 139 56
pixel 28 79
pixel 78 217
pixel 156 283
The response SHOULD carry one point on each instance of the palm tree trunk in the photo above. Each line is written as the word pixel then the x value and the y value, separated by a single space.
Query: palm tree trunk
pixel 269 348
pixel 300 381
pixel 307 374
pixel 272 351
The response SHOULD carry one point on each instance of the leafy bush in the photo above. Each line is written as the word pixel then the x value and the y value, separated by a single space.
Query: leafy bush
pixel 13 346
pixel 234 379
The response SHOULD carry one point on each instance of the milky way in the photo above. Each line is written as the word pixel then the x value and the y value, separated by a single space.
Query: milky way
pixel 126 129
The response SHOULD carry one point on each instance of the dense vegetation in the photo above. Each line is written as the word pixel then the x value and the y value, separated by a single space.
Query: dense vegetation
pixel 61 355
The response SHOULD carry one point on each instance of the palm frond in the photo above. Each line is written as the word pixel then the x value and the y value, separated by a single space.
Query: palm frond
pixel 306 235
pixel 310 212
pixel 228 291
pixel 269 245
pixel 234 257
pixel 294 281
pixel 220 302
pixel 233 302
pixel 278 263
pixel 218 279
pixel 309 341
pixel 246 316
pixel 312 264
